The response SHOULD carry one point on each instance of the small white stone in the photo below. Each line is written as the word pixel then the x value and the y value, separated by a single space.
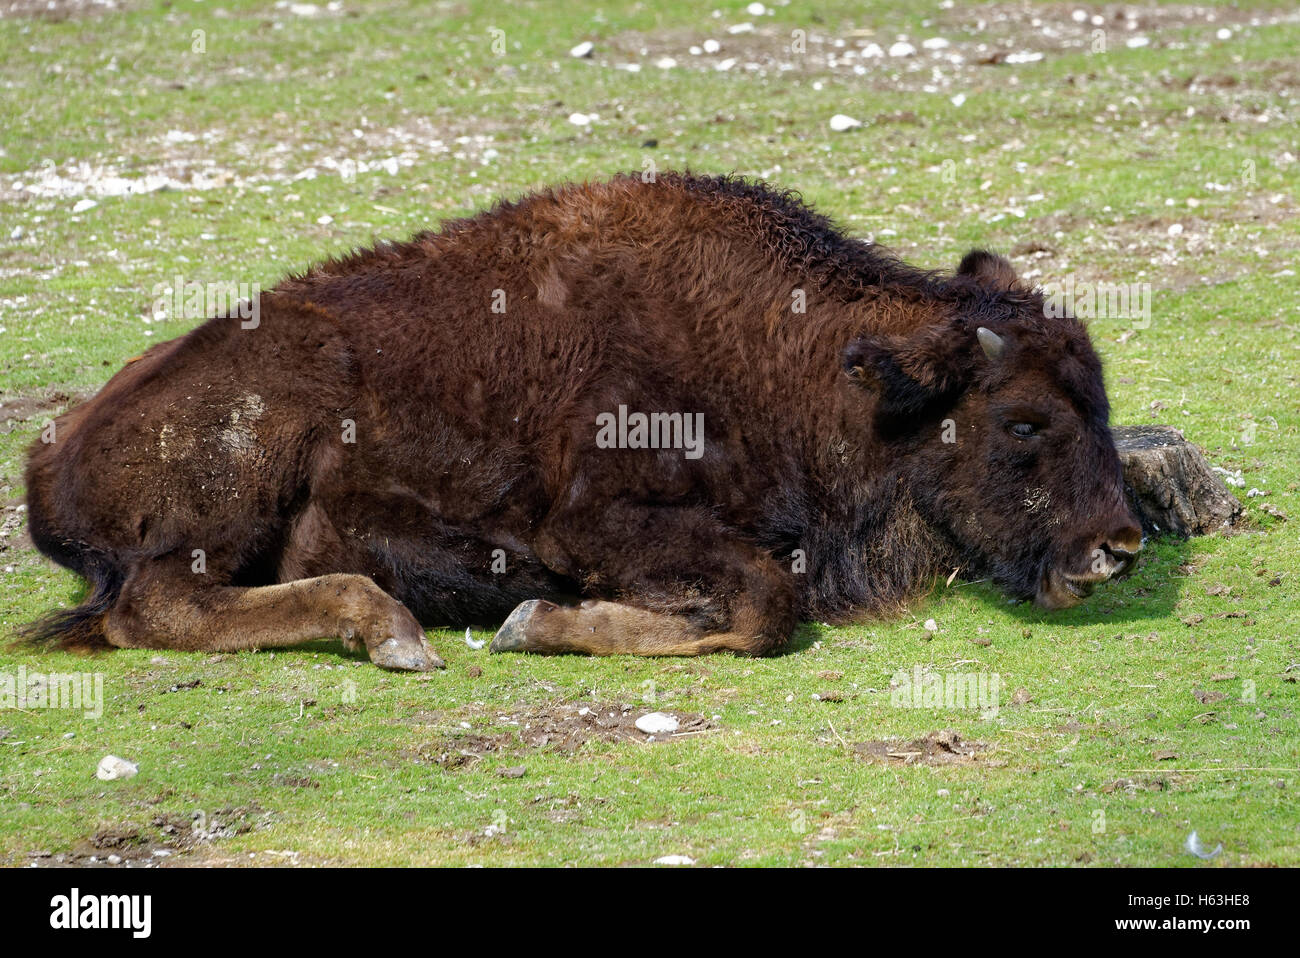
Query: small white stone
pixel 840 123
pixel 1135 42
pixel 656 722
pixel 756 10
pixel 741 28
pixel 873 50
pixel 931 625
pixel 579 119
pixel 712 46
pixel 1175 229
pixel 665 63
pixel 1079 16
pixel 583 49
pixel 324 219
pixel 726 64
pixel 111 767
pixel 1224 33
pixel 902 49
pixel 17 233
pixel 82 205
pixel 959 99
pixel 675 860
pixel 935 43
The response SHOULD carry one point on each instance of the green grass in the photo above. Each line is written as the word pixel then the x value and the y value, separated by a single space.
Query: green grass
pixel 314 756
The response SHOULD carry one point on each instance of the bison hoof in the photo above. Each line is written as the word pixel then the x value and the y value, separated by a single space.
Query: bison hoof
pixel 513 635
pixel 405 649
pixel 400 655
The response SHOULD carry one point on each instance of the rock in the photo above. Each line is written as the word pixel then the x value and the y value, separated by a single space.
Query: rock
pixel 82 205
pixel 656 723
pixel 583 50
pixel 675 860
pixel 1170 485
pixel 840 123
pixel 902 49
pixel 111 767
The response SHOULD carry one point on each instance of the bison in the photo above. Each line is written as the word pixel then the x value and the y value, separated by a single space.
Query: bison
pixel 658 418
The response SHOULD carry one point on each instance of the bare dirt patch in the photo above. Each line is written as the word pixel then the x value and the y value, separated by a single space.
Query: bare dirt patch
pixel 164 839
pixel 964 48
pixel 15 410
pixel 944 747
pixel 565 727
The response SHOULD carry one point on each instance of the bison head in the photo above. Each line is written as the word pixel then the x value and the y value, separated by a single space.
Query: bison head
pixel 996 417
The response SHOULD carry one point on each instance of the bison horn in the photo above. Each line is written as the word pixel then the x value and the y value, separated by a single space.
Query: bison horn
pixel 993 344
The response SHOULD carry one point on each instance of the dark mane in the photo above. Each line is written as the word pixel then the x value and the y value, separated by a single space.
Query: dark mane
pixel 797 236
pixel 806 241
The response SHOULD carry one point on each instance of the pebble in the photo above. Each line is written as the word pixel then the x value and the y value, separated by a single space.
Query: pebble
pixel 579 119
pixel 675 860
pixel 931 625
pixel 712 46
pixel 82 205
pixel 583 49
pixel 840 123
pixel 111 767
pixel 656 723
pixel 902 49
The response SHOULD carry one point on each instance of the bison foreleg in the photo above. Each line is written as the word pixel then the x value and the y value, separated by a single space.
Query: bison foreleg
pixel 160 612
pixel 684 585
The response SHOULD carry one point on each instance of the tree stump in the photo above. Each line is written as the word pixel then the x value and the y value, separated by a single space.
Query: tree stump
pixel 1170 484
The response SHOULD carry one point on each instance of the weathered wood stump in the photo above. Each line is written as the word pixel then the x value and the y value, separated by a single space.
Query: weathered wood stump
pixel 1170 484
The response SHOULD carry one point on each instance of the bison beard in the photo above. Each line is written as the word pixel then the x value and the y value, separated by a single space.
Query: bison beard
pixel 408 437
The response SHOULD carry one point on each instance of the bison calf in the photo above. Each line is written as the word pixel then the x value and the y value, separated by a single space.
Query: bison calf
pixel 660 418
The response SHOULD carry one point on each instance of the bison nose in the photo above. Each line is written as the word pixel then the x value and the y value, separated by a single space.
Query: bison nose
pixel 1118 551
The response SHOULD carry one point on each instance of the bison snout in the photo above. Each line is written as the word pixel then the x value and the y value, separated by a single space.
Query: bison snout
pixel 1111 555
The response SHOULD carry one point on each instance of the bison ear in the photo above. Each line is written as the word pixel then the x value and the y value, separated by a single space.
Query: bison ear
pixel 988 269
pixel 911 375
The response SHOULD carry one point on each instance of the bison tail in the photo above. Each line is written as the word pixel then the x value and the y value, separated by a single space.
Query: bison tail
pixel 81 629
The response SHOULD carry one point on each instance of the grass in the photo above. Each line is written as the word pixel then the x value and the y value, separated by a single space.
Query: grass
pixel 1109 751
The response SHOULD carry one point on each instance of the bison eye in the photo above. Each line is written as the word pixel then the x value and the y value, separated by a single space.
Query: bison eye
pixel 1023 430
